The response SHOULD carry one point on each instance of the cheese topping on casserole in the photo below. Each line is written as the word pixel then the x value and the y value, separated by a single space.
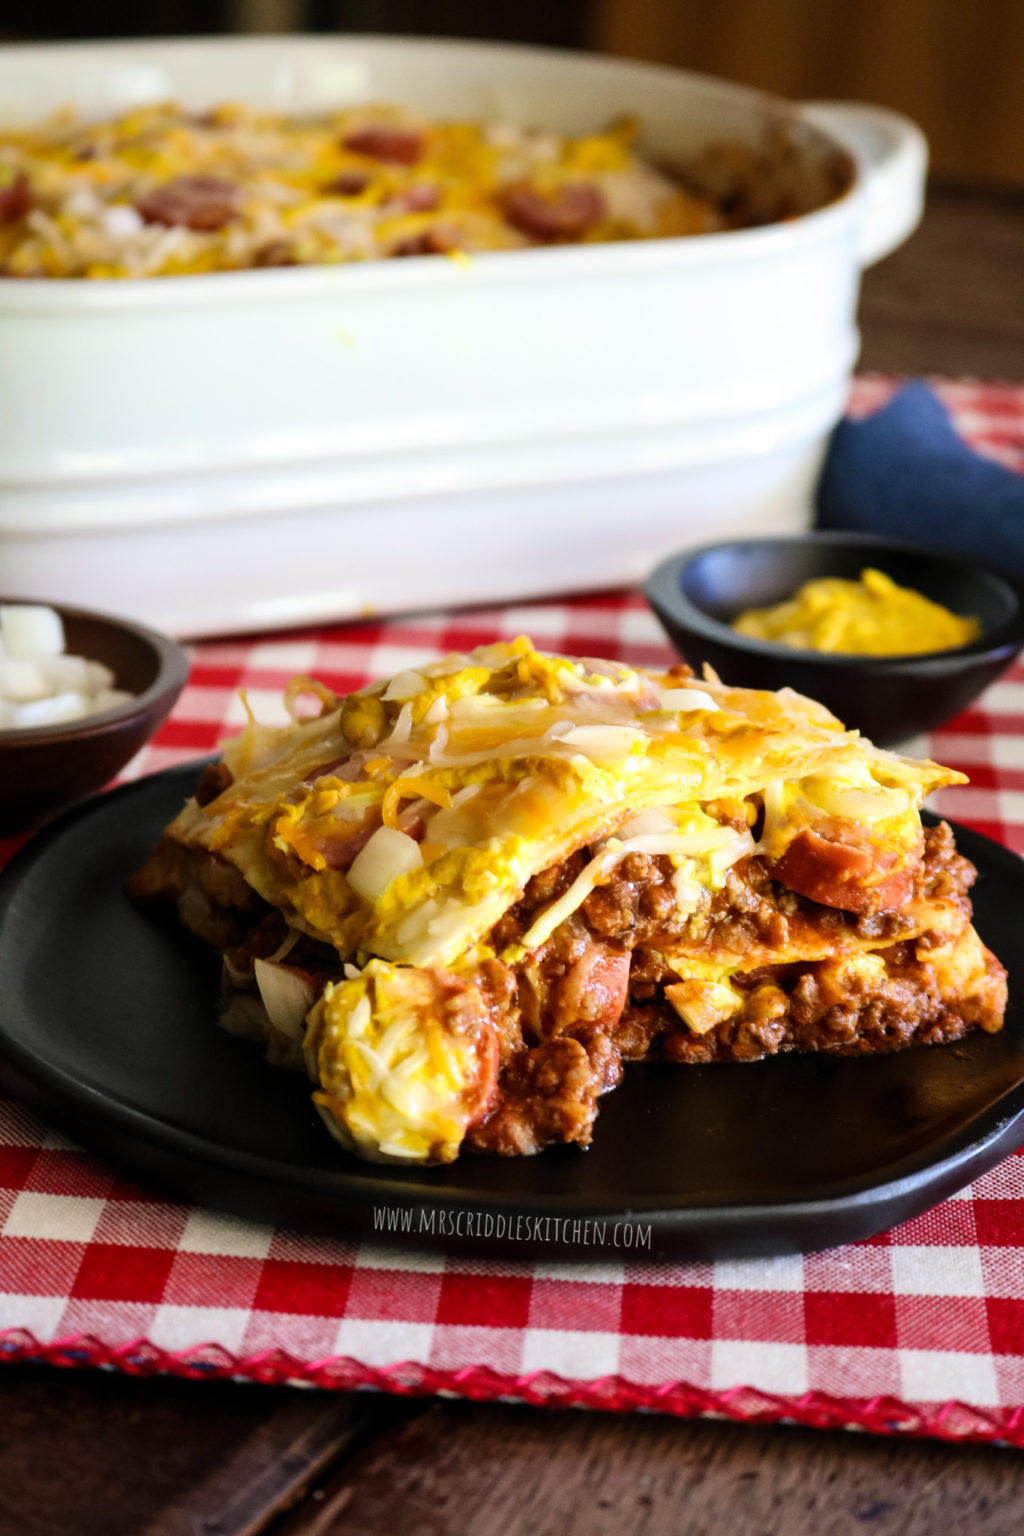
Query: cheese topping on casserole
pixel 161 191
pixel 498 875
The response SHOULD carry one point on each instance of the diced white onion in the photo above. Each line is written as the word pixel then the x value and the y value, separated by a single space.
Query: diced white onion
pixel 67 672
pixel 52 711
pixel 97 677
pixel 602 740
pixel 703 1004
pixel 655 819
pixel 454 828
pixel 21 679
pixel 120 221
pixel 39 685
pixel 417 923
pixel 686 698
pixel 448 923
pixel 286 995
pixel 83 204
pixel 401 731
pixel 404 685
pixel 29 629
pixel 388 854
pixel 857 804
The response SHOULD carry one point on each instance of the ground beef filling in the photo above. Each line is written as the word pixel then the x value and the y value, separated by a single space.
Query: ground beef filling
pixel 212 899
pixel 548 1093
pixel 600 978
pixel 817 1008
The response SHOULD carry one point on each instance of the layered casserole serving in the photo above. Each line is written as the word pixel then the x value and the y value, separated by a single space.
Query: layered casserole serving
pixel 463 897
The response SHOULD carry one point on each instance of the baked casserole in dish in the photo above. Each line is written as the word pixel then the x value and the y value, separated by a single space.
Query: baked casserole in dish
pixel 161 191
pixel 240 450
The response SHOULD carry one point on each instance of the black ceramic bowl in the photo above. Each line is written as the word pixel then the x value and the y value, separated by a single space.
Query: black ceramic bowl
pixel 697 594
pixel 46 768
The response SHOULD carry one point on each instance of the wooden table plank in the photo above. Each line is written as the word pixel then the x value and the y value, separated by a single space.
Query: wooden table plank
pixel 503 1471
pixel 97 1453
pixel 950 300
pixel 275 1466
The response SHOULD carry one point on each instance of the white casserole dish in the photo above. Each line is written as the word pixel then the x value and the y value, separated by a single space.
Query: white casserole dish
pixel 259 449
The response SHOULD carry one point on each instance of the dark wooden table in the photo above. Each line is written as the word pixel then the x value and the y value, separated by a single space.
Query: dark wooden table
pixel 89 1453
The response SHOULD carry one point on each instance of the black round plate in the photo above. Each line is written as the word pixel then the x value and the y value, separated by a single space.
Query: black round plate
pixel 107 1029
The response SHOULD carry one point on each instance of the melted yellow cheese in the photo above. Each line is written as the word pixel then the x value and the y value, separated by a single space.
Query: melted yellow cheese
pixel 392 1076
pixel 510 761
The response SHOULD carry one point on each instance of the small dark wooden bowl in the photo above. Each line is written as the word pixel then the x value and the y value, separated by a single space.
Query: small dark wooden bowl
pixel 46 768
pixel 697 594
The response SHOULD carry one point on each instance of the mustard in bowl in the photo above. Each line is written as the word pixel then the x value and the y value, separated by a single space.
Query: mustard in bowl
pixel 699 594
pixel 872 616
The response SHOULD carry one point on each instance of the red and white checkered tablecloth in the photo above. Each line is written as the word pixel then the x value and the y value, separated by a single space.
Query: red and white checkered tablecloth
pixel 919 1330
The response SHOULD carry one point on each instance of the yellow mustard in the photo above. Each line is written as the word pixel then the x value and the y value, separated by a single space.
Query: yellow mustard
pixel 870 617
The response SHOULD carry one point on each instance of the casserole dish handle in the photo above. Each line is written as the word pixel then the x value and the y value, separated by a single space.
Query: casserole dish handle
pixel 892 156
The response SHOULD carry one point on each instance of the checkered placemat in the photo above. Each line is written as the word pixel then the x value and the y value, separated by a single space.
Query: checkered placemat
pixel 920 1330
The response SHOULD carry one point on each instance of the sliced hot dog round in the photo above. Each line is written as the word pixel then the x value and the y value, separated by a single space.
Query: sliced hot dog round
pixel 400 146
pixel 565 214
pixel 202 203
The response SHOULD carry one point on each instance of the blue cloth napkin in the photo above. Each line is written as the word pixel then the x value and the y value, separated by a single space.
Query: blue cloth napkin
pixel 905 473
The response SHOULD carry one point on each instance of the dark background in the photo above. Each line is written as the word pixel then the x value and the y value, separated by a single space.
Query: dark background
pixel 560 23
pixel 955 66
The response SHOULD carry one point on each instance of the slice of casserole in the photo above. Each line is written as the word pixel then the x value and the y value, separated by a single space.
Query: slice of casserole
pixel 462 897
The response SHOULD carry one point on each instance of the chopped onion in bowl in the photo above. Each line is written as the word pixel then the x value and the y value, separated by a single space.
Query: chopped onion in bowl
pixel 30 629
pixel 53 710
pixel 40 684
pixel 22 679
